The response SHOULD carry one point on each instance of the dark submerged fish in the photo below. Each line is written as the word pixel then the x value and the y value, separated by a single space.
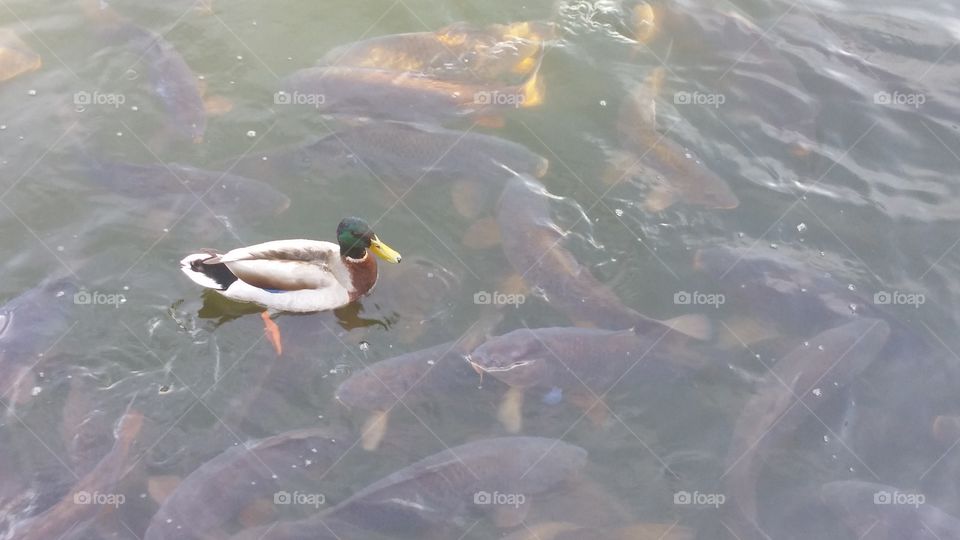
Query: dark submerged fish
pixel 439 493
pixel 413 377
pixel 582 363
pixel 226 194
pixel 532 244
pixel 216 493
pixel 869 511
pixel 71 513
pixel 401 154
pixel 784 399
pixel 30 325
pixel 682 176
pixel 170 78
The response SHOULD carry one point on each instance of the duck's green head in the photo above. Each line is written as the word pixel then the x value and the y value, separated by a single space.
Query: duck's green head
pixel 355 236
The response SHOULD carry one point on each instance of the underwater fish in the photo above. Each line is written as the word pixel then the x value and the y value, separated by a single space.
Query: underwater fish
pixel 748 66
pixel 217 492
pixel 413 377
pixel 870 511
pixel 169 76
pixel 401 154
pixel 401 95
pixel 440 492
pixel 226 194
pixel 532 244
pixel 458 52
pixel 30 325
pixel 71 512
pixel 786 397
pixel 681 176
pixel 16 57
pixel 583 363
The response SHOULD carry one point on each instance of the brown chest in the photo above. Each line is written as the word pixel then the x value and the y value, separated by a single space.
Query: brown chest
pixel 363 275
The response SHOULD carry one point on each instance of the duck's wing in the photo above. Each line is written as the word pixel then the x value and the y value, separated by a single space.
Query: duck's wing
pixel 283 250
pixel 286 265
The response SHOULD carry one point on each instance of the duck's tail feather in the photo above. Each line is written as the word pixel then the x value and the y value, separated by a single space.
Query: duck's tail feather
pixel 210 275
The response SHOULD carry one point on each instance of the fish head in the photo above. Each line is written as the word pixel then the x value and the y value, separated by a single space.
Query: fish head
pixel 518 359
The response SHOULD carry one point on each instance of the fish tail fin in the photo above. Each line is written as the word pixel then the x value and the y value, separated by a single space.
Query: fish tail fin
pixel 200 270
pixel 696 326
pixel 533 90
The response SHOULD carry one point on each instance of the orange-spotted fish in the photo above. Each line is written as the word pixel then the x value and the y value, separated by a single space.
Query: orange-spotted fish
pixel 458 52
pixel 402 95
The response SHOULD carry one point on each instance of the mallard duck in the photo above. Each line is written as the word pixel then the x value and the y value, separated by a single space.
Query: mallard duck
pixel 294 275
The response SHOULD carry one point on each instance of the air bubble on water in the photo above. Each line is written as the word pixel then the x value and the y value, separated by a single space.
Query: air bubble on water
pixel 31 92
pixel 774 246
pixel 806 343
pixel 853 308
pixel 253 482
pixel 134 108
pixel 802 226
pixel 36 390
pixel 131 74
pixel 314 450
pixel 169 520
pixel 119 134
pixel 273 476
pixel 430 362
pixel 803 289
pixel 3 127
pixel 603 103
pixel 307 463
pixel 239 57
pixel 822 254
pixel 20 138
pixel 739 235
pixel 364 346
pixel 59 248
pixel 688 155
pixel 852 287
pixel 817 392
pixel 819 347
pixel 618 212
pixel 826 438
pixel 143 495
pixel 126 287
pixel 251 134
pixel 430 275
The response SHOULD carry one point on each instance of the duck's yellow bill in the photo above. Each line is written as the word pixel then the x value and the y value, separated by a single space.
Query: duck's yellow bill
pixel 384 251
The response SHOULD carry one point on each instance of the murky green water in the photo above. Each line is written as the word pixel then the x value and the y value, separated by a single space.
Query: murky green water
pixel 835 125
